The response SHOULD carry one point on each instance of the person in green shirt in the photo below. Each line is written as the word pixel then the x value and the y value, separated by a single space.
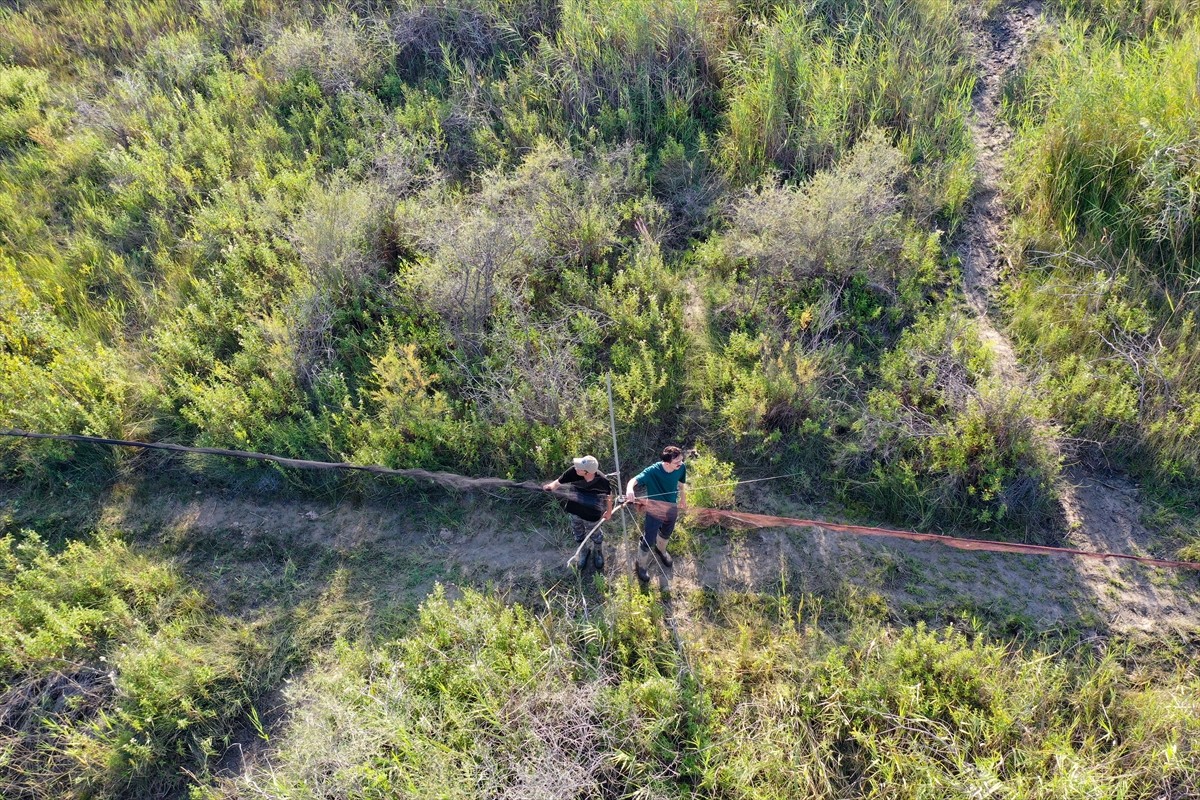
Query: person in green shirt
pixel 665 481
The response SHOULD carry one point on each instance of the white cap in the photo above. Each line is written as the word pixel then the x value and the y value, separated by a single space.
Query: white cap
pixel 587 463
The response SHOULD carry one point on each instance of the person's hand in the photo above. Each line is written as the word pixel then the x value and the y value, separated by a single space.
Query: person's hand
pixel 607 516
pixel 682 506
pixel 550 487
pixel 630 497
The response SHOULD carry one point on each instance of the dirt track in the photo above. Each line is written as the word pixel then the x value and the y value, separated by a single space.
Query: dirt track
pixel 1099 513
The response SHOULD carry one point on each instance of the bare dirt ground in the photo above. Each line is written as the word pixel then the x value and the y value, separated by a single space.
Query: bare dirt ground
pixel 394 551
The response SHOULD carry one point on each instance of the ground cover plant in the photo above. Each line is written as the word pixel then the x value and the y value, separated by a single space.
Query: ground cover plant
pixel 423 237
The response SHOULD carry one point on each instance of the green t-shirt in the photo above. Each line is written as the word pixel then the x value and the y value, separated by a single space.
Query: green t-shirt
pixel 660 484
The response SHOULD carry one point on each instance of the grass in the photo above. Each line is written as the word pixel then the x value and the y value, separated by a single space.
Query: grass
pixel 879 714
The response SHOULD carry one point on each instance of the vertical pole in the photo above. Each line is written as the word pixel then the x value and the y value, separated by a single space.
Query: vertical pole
pixel 612 423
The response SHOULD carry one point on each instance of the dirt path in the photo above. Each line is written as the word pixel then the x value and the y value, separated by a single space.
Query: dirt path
pixel 1100 514
pixel 1002 43
pixel 387 555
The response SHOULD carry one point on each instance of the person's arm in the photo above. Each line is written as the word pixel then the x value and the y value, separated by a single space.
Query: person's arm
pixel 554 485
pixel 683 497
pixel 629 497
pixel 607 506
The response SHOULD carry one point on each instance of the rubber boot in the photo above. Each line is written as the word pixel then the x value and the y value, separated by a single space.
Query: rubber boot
pixel 583 559
pixel 660 551
pixel 598 558
pixel 640 562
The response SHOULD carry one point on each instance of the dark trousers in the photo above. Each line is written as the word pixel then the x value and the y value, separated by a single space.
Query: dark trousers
pixel 656 527
pixel 581 526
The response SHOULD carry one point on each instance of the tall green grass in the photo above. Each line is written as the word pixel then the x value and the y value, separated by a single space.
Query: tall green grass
pixel 1106 176
pixel 812 80
pixel 1105 151
pixel 1129 19
pixel 633 70
pixel 483 699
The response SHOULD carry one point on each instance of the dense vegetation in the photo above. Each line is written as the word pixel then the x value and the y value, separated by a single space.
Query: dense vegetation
pixel 129 686
pixel 1109 181
pixel 421 234
pixel 116 675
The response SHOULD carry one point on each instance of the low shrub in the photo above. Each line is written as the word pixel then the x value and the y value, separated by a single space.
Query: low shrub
pixel 941 444
pixel 115 677
pixel 484 698
pixel 53 379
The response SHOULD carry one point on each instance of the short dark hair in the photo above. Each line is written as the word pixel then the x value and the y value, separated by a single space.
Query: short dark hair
pixel 670 453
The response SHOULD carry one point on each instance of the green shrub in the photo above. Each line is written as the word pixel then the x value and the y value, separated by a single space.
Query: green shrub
pixel 711 482
pixel 943 445
pixel 53 380
pixel 116 678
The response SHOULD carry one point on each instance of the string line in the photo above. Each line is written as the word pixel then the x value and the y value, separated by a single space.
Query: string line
pixel 658 508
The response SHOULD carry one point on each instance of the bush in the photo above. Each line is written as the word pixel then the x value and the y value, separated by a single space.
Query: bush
pixel 338 237
pixel 478 698
pixel 53 380
pixel 405 419
pixel 944 446
pixel 181 60
pixel 341 53
pixel 115 677
pixel 841 223
pixel 432 37
pixel 711 483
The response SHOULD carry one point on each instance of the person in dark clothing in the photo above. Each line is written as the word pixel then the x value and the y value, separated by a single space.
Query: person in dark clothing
pixel 591 503
pixel 665 481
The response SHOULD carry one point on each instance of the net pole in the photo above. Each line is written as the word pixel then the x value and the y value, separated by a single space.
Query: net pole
pixel 612 425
